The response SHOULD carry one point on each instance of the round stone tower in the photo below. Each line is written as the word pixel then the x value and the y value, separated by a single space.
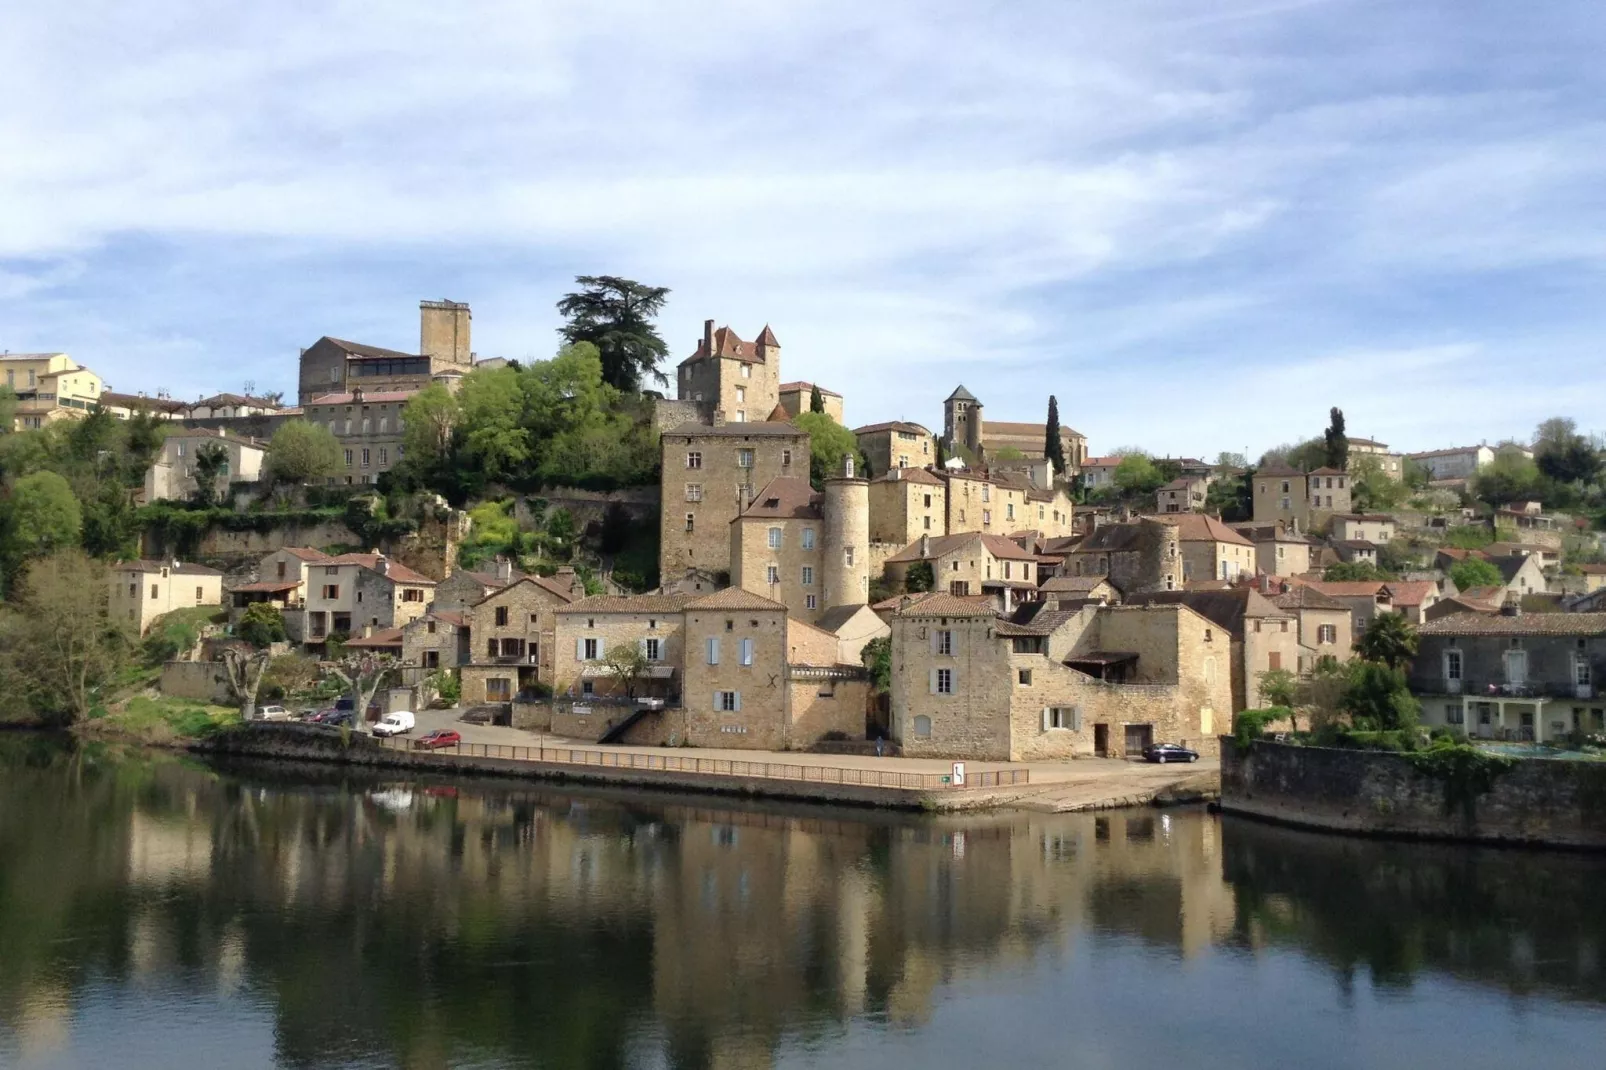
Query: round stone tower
pixel 845 557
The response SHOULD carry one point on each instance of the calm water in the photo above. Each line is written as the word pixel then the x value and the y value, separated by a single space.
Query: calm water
pixel 155 913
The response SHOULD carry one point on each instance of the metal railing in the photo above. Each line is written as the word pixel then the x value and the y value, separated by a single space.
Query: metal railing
pixel 736 767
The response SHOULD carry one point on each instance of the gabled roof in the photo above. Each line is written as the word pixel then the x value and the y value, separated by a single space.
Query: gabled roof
pixel 1279 470
pixel 835 617
pixel 395 571
pixel 1073 584
pixel 1101 462
pixel 449 616
pixel 305 553
pixel 630 603
pixel 1411 592
pixel 1198 527
pixel 176 568
pixel 1325 471
pixel 1015 428
pixel 380 638
pixel 1228 608
pixel 997 545
pixel 728 344
pixel 1512 564
pixel 960 394
pixel 1306 597
pixel 358 349
pixel 734 598
pixel 265 587
pixel 949 605
pixel 786 498
pixel 1351 588
pixel 778 415
pixel 909 475
pixel 1357 544
pixel 1566 624
pixel 551 586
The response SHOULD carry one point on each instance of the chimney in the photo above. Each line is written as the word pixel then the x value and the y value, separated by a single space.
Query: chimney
pixel 504 570
pixel 925 547
pixel 1512 607
pixel 356 395
pixel 367 631
pixel 566 576
pixel 381 565
pixel 895 474
pixel 719 417
pixel 708 337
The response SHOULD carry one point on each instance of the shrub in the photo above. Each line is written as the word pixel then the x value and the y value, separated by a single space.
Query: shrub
pixel 1250 725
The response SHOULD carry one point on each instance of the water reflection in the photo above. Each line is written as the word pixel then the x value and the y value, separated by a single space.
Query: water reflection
pixel 317 918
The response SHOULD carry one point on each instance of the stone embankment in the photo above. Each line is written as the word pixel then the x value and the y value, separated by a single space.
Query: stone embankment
pixel 1534 801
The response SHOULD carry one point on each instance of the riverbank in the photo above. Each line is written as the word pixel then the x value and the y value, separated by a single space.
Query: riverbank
pixel 1459 796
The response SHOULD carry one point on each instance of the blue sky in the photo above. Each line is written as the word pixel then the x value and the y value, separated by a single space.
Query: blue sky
pixel 1200 225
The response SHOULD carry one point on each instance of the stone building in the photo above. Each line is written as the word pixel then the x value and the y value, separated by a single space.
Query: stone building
pixel 141 591
pixel 1100 680
pixel 778 546
pixel 1389 463
pixel 846 554
pixel 1513 675
pixel 437 640
pixel 1364 599
pixel 740 380
pixel 1326 627
pixel 1306 500
pixel 368 426
pixel 1185 494
pixel 1210 549
pixel 513 643
pixel 1020 505
pixel 798 398
pixel 49 387
pixel 1375 528
pixel 906 503
pixel 896 444
pixel 1259 635
pixel 1142 555
pixel 964 426
pixel 586 629
pixel 171 475
pixel 351 592
pixel 1280 550
pixel 970 564
pixel 338 367
pixel 710 474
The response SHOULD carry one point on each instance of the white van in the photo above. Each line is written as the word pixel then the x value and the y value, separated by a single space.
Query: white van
pixel 395 724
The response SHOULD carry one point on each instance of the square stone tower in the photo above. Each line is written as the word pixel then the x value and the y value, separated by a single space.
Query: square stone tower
pixel 727 375
pixel 443 334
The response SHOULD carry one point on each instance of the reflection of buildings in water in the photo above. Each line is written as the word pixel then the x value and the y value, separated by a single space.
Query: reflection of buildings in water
pixel 169 848
pixel 43 1025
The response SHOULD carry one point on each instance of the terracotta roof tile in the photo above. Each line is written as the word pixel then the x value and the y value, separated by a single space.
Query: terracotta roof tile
pixel 786 498
pixel 1567 624
pixel 395 571
pixel 949 605
pixel 632 603
pixel 733 598
pixel 802 387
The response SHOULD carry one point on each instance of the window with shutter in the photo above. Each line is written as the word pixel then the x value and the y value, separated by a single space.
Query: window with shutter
pixel 713 651
pixel 747 652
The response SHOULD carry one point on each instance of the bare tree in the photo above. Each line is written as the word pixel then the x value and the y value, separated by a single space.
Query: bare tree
pixel 362 674
pixel 245 668
pixel 628 664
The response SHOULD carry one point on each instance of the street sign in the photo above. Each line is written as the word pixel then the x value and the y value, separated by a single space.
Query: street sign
pixel 959 774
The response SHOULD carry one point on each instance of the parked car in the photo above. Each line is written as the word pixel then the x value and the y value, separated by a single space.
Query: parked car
pixel 440 737
pixel 395 724
pixel 272 713
pixel 1169 752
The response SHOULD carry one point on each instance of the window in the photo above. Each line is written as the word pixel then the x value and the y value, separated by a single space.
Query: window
pixel 348 458
pixel 986 492
pixel 587 687
pixel 691 522
pixel 133 590
pixel 943 643
pixel 365 458
pixel 1009 511
pixel 786 458
pixel 926 523
pixel 747 652
pixel 775 538
pixel 727 701
pixel 1452 665
pixel 1006 570
pixel 1285 486
pixel 366 425
pixel 429 626
pixel 1327 633
pixel 412 594
pixel 1065 718
pixel 1581 674
pixel 501 616
pixel 772 574
pixel 808 575
pixel 747 371
pixel 694 459
pixel 960 588
pixel 928 501
pixel 808 538
pixel 811 602
pixel 384 456
pixel 590 650
pixel 653 649
pixel 432 659
pixel 1024 677
pixel 694 492
pixel 331 591
pixel 199 594
pixel 945 681
pixel 986 517
pixel 744 458
pixel 741 395
pixel 922 727
pixel 847 556
pixel 713 651
pixel 281 570
pixel 155 589
pixel 1454 713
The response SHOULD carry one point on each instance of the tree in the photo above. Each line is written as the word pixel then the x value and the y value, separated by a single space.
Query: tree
pixel 428 421
pixel 1053 445
pixel 1336 441
pixel 245 667
pixel 919 578
pixel 302 452
pixel 211 462
pixel 829 444
pixel 1354 572
pixel 616 315
pixel 1322 691
pixel 361 674
pixel 1564 455
pixel 816 401
pixel 1232 498
pixel 1510 477
pixel 941 458
pixel 1388 640
pixel 56 643
pixel 41 517
pixel 1414 475
pixel 1312 453
pixel 1377 697
pixel 1475 572
pixel 261 625
pixel 1278 687
pixel 877 657
pixel 628 665
pixel 8 409
pixel 289 674
pixel 1235 462
pixel 1137 475
pixel 1375 490
pixel 497 443
pixel 1008 453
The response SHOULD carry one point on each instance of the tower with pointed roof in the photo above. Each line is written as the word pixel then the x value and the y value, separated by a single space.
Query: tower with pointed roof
pixel 961 421
pixel 726 375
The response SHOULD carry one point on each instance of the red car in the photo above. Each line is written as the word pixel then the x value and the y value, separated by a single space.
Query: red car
pixel 441 737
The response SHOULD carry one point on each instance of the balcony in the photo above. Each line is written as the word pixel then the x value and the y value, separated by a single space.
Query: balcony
pixel 1475 688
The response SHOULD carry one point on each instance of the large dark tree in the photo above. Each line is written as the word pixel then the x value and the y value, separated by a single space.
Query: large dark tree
pixel 1337 441
pixel 816 402
pixel 1563 454
pixel 616 315
pixel 1053 448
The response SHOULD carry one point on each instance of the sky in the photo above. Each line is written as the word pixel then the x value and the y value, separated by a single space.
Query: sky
pixel 1200 225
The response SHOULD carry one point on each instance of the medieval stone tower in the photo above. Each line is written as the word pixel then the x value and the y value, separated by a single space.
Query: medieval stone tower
pixel 1159 558
pixel 739 380
pixel 443 333
pixel 846 559
pixel 961 421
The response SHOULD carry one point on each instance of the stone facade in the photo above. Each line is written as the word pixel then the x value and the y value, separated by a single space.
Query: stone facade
pixel 968 564
pixel 171 475
pixel 335 366
pixel 1362 527
pixel 436 641
pixel 896 445
pixel 736 655
pixel 797 398
pixel 355 591
pixel 1279 550
pixel 906 503
pixel 964 426
pixel 1259 635
pixel 368 426
pixel 49 387
pixel 142 591
pixel 587 629
pixel 513 640
pixel 1144 555
pixel 1306 500
pixel 710 475
pixel 1182 495
pixel 1326 627
pixel 778 547
pixel 1211 550
pixel 739 380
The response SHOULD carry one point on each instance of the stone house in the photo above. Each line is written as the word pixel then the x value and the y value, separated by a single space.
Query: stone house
pixel 512 640
pixel 437 640
pixel 1389 463
pixel 964 426
pixel 171 475
pixel 1260 635
pixel 906 503
pixel 586 629
pixel 1140 555
pixel 896 444
pixel 1471 600
pixel 1513 675
pixel 971 563
pixel 777 547
pixel 1071 592
pixel 1099 472
pixel 1356 552
pixel 1305 500
pixel 142 591
pixel 351 592
pixel 970 503
pixel 1413 598
pixel 1326 626
pixel 797 398
pixel 466 587
pixel 738 380
pixel 334 366
pixel 1280 550
pixel 367 424
pixel 385 641
pixel 1185 494
pixel 1364 527
pixel 281 579
pixel 1457 463
pixel 1210 549
pixel 712 473
pixel 853 627
pixel 1101 680
pixel 1364 599
pixel 1523 573
pixel 1049 513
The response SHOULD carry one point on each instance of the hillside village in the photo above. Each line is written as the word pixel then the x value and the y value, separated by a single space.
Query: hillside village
pixel 732 562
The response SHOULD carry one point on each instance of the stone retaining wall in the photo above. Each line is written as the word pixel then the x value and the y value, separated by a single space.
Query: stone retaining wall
pixel 1538 801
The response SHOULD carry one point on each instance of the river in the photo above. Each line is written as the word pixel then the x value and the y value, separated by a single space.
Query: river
pixel 156 912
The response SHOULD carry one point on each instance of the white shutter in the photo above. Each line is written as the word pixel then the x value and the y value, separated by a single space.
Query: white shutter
pixel 747 652
pixel 579 649
pixel 934 641
pixel 1076 718
pixel 1046 724
pixel 738 702
pixel 602 648
pixel 641 644
pixel 717 706
pixel 713 651
pixel 933 681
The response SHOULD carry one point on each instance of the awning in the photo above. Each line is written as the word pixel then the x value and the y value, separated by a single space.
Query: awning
pixel 1103 657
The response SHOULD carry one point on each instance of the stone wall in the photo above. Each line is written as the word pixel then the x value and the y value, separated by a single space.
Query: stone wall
pixel 219 544
pixel 1539 801
pixel 200 681
pixel 587 506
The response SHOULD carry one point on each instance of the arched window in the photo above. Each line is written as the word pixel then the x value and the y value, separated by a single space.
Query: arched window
pixel 922 727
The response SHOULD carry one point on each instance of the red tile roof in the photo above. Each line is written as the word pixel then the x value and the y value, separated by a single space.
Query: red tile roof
pixel 734 598
pixel 395 571
pixel 802 387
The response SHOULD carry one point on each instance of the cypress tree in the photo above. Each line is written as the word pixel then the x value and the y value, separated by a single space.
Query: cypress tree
pixel 816 402
pixel 1053 448
pixel 1337 441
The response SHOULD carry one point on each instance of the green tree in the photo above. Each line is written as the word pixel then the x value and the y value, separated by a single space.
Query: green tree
pixel 58 647
pixel 829 444
pixel 429 421
pixel 302 452
pixel 940 460
pixel 497 443
pixel 816 401
pixel 877 658
pixel 1388 640
pixel 261 625
pixel 211 464
pixel 1008 453
pixel 1510 477
pixel 1562 454
pixel 628 665
pixel 616 316
pixel 1378 698
pixel 1354 572
pixel 1475 572
pixel 1312 453
pixel 1335 441
pixel 1137 475
pixel 42 516
pixel 1414 475
pixel 919 578
pixel 1053 445
pixel 1232 497
pixel 1235 462
pixel 1278 687
pixel 8 409
pixel 1374 489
